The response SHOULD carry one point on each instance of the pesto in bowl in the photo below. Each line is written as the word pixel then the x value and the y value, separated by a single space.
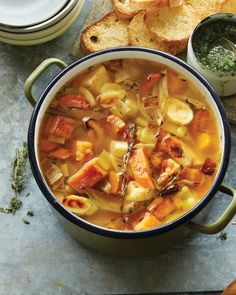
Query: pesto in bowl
pixel 213 45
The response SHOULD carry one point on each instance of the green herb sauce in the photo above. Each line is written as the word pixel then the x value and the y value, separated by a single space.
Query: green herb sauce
pixel 208 49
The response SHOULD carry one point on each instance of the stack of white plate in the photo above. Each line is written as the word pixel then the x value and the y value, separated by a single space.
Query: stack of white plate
pixel 31 22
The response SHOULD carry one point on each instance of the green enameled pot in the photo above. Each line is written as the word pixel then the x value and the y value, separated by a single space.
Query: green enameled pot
pixel 130 243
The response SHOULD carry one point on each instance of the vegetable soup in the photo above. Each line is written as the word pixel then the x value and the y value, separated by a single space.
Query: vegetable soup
pixel 129 145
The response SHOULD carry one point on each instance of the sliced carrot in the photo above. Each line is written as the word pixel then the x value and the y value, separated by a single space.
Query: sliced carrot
pixel 140 168
pixel 60 153
pixel 74 101
pixel 62 127
pixel 191 174
pixel 47 146
pixel 115 181
pixel 201 121
pixel 147 85
pixel 163 209
pixel 115 123
pixel 87 176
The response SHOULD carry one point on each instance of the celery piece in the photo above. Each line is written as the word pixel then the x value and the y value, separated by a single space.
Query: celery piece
pixel 64 170
pixel 104 160
pixel 133 107
pixel 141 122
pixel 148 135
pixel 119 148
pixel 117 163
pixel 181 131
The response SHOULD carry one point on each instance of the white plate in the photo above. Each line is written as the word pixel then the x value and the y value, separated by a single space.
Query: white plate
pixel 48 23
pixel 28 12
pixel 74 15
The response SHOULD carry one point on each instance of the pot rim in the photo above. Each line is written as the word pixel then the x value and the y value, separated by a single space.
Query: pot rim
pixel 118 233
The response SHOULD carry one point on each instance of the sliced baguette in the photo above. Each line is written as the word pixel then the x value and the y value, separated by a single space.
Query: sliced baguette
pixel 128 8
pixel 229 6
pixel 139 35
pixel 172 25
pixel 109 31
pixel 205 8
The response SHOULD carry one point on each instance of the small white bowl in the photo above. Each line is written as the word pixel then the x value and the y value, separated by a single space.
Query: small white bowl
pixel 20 13
pixel 224 83
pixel 70 19
pixel 48 23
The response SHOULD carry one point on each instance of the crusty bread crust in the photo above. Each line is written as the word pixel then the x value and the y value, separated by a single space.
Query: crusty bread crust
pixel 204 8
pixel 109 31
pixel 128 8
pixel 172 25
pixel 139 35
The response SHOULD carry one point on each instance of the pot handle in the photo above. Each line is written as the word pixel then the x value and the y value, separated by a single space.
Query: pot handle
pixel 35 75
pixel 223 220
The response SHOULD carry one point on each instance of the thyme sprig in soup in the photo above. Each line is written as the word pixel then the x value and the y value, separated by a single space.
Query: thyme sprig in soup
pixel 129 145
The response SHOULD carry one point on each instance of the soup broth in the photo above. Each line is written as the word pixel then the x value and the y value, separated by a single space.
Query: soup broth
pixel 129 145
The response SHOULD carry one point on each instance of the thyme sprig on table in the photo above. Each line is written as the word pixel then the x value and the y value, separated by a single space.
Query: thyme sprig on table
pixel 19 169
pixel 18 176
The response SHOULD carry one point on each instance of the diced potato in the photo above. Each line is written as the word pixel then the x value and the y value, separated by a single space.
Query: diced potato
pixel 119 148
pixel 87 176
pixel 204 141
pixel 65 170
pixel 83 150
pixel 178 111
pixel 104 160
pixel 149 221
pixel 109 98
pixel 80 205
pixel 60 140
pixel 138 193
pixel 96 79
pixel 88 95
pixel 140 168
pixel 115 123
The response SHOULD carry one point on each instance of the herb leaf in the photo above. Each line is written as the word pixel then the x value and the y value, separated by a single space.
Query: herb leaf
pixel 25 221
pixel 30 213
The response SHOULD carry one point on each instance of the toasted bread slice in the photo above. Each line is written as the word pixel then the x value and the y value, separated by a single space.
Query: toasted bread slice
pixel 128 8
pixel 109 31
pixel 139 35
pixel 229 6
pixel 172 25
pixel 205 8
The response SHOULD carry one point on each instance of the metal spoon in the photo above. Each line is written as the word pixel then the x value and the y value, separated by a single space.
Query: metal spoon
pixel 226 43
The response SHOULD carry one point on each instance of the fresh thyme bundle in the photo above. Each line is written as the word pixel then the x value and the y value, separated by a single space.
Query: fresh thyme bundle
pixel 18 177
